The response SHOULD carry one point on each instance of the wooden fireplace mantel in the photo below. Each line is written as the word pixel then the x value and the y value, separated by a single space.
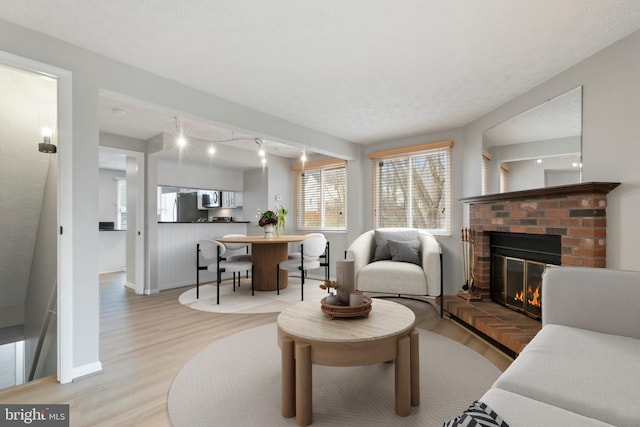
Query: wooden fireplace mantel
pixel 561 190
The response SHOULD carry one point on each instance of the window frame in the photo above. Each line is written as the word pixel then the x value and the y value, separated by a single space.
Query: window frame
pixel 409 154
pixel 322 167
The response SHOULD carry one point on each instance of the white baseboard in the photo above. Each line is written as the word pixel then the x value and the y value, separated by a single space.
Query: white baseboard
pixel 87 369
pixel 130 285
pixel 117 270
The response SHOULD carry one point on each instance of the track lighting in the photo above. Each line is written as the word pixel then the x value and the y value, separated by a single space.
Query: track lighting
pixel 181 141
pixel 261 151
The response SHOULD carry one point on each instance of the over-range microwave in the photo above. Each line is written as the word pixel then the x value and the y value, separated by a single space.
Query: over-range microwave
pixel 209 199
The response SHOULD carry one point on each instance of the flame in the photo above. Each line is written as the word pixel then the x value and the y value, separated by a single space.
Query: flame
pixel 535 297
pixel 519 296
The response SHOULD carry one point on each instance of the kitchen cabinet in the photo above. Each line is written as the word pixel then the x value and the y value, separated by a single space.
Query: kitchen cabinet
pixel 228 199
pixel 239 199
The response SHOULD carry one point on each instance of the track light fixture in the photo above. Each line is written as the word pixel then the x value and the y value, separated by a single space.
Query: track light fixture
pixel 261 151
pixel 182 140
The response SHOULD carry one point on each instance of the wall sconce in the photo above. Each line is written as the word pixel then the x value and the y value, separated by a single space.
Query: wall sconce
pixel 46 146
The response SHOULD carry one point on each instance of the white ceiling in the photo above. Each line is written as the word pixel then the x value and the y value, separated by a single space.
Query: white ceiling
pixel 361 70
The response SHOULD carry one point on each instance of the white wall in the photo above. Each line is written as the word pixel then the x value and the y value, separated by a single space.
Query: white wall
pixel 610 148
pixel 256 196
pixel 197 176
pixel 113 251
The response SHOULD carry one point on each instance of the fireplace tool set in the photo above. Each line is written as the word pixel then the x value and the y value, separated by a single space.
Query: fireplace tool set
pixel 468 239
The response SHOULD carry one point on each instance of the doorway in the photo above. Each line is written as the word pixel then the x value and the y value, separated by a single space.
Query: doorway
pixel 29 215
pixel 121 210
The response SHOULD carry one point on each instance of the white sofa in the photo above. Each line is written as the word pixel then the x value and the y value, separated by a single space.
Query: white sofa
pixel 397 278
pixel 583 367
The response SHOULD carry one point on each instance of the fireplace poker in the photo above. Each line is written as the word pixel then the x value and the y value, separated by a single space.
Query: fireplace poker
pixel 464 259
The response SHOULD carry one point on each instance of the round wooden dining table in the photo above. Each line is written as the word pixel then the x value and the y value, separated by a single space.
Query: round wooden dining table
pixel 266 254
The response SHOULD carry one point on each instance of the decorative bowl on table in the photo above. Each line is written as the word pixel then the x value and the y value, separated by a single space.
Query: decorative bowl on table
pixel 334 311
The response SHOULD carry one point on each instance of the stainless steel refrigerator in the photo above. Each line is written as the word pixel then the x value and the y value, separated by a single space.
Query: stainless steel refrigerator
pixel 187 208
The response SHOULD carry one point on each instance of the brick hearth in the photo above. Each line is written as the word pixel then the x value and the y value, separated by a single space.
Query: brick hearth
pixel 510 330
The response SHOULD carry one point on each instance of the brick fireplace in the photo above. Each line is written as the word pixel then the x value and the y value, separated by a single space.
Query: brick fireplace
pixel 576 214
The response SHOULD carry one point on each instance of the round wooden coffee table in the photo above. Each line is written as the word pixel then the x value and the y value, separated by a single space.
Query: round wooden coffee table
pixel 307 336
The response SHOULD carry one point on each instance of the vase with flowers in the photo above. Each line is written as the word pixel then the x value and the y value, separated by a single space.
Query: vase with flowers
pixel 267 220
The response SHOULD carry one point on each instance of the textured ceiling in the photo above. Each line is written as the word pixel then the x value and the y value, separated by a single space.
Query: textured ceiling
pixel 362 70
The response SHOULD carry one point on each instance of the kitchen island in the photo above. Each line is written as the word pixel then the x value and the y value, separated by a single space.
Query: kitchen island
pixel 177 241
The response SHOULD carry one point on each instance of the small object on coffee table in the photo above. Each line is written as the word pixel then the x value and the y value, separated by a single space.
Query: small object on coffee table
pixel 334 311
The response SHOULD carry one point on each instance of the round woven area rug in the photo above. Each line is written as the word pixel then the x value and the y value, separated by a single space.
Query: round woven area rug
pixel 236 382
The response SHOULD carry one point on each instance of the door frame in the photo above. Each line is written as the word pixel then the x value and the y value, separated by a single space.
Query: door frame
pixel 138 286
pixel 65 206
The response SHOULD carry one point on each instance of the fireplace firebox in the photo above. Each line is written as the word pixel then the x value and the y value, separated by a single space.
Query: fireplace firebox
pixel 517 263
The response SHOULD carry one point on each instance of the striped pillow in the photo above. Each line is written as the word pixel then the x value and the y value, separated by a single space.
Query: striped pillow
pixel 477 415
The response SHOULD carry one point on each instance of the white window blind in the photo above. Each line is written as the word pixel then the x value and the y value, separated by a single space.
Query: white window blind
pixel 486 162
pixel 412 187
pixel 504 178
pixel 121 213
pixel 321 196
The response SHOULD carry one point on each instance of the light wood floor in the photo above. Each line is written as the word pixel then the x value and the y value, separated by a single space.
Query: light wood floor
pixel 145 340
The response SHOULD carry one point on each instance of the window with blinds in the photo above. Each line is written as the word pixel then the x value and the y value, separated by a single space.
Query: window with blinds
pixel 121 213
pixel 486 162
pixel 412 187
pixel 504 178
pixel 321 196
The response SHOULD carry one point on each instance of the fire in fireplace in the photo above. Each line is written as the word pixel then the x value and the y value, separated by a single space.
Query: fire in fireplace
pixel 517 263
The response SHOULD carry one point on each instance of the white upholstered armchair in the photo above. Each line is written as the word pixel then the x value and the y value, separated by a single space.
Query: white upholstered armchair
pixel 403 262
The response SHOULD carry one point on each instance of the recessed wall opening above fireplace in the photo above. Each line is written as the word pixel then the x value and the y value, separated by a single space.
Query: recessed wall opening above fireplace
pixel 517 263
